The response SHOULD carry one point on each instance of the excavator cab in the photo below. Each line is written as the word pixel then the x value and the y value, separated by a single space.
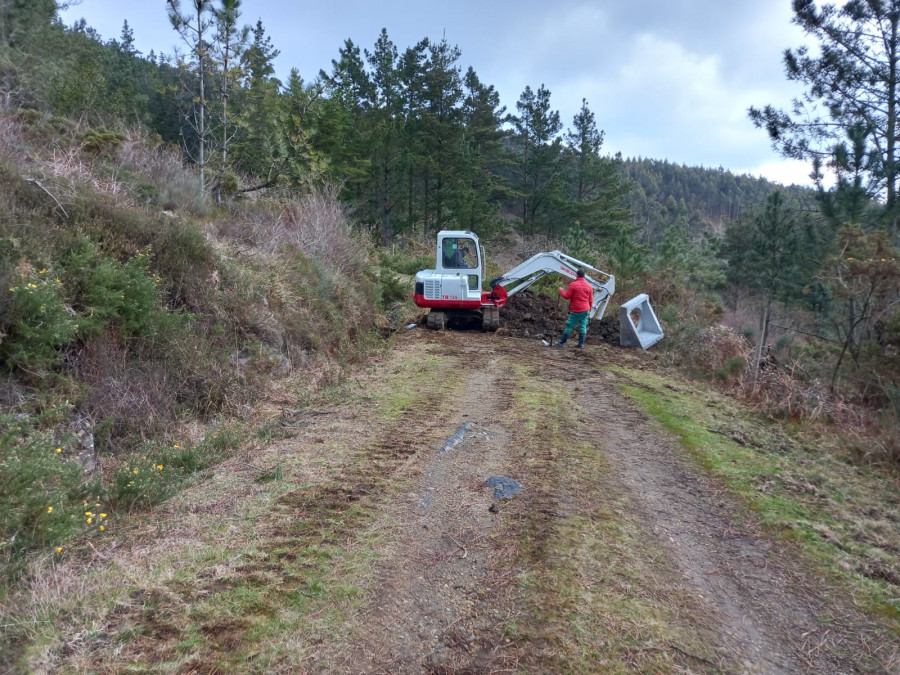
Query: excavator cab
pixel 452 290
pixel 458 256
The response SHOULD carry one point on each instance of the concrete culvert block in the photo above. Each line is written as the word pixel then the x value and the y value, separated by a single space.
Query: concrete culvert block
pixel 638 325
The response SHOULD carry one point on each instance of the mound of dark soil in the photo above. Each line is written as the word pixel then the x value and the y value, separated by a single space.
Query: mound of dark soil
pixel 531 315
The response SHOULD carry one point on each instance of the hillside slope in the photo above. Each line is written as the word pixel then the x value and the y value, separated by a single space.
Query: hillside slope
pixel 358 535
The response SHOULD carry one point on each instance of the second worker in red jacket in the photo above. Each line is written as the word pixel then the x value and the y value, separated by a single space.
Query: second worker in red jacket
pixel 581 298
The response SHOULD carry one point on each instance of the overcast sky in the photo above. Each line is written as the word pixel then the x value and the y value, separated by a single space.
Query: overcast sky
pixel 666 79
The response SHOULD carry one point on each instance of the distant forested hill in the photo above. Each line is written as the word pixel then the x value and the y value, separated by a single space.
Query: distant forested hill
pixel 702 200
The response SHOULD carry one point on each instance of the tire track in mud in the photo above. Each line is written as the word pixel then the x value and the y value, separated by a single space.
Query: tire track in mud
pixel 766 624
pixel 445 589
pixel 437 608
pixel 329 512
pixel 313 509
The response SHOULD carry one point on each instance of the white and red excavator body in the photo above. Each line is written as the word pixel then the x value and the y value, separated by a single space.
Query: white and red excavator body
pixel 453 289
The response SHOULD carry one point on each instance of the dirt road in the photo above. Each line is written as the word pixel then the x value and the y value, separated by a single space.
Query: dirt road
pixel 443 602
pixel 381 550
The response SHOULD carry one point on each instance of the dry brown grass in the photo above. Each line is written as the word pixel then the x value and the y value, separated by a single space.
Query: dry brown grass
pixel 316 225
pixel 722 355
pixel 163 166
pixel 135 398
pixel 780 391
pixel 12 140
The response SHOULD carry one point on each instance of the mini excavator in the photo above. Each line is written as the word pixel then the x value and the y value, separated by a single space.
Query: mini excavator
pixel 453 289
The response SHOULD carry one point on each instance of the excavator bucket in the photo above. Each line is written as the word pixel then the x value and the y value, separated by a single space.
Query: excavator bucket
pixel 638 325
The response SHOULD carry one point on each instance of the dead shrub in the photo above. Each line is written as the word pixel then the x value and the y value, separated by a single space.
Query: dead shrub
pixel 141 389
pixel 174 185
pixel 318 226
pixel 127 397
pixel 307 280
pixel 12 140
pixel 719 353
pixel 874 444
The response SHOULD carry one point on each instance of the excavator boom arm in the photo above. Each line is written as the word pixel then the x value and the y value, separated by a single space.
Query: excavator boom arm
pixel 542 264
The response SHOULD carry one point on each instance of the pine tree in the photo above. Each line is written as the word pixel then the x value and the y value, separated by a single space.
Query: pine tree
pixel 195 30
pixel 538 148
pixel 21 20
pixel 256 151
pixel 27 62
pixel 344 133
pixel 412 67
pixel 230 42
pixel 852 82
pixel 442 127
pixel 387 123
pixel 765 252
pixel 479 187
pixel 598 194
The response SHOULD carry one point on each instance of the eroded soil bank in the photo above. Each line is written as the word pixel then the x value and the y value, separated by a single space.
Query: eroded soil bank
pixel 362 541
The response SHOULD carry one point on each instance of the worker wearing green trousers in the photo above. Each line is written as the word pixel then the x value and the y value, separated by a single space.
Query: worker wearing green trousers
pixel 581 298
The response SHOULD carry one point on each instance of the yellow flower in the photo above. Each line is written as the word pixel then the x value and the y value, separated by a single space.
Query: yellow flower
pixel 43 271
pixel 59 450
pixel 103 515
pixel 175 446
pixel 49 509
pixel 90 520
pixel 135 471
pixel 88 513
pixel 58 281
pixel 159 466
pixel 59 549
pixel 102 528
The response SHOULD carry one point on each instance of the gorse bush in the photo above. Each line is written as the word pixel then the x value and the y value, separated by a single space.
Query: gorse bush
pixel 179 252
pixel 112 294
pixel 42 494
pixel 36 322
pixel 157 471
pixel 102 141
pixel 45 499
pixel 83 294
pixel 404 261
pixel 391 289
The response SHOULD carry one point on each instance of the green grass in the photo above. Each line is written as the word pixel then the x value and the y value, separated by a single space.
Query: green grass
pixel 798 479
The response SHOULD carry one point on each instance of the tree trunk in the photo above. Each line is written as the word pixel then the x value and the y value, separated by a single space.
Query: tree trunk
pixel 761 339
pixel 201 68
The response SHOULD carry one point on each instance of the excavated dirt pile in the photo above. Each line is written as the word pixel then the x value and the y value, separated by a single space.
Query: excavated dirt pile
pixel 530 315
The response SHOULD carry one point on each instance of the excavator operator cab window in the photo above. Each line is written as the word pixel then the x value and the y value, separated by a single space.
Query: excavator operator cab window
pixel 459 253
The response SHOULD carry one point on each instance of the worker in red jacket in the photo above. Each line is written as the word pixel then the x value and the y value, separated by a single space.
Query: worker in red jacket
pixel 581 298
